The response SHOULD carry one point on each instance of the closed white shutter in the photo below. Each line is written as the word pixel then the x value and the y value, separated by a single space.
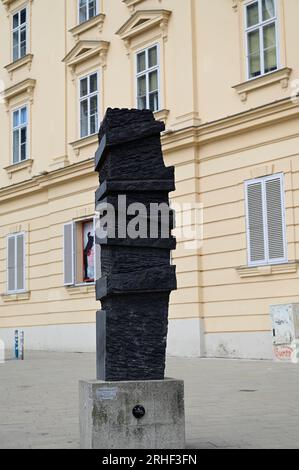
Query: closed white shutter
pixel 97 252
pixel 16 263
pixel 265 216
pixel 20 267
pixel 275 219
pixel 11 263
pixel 255 223
pixel 68 253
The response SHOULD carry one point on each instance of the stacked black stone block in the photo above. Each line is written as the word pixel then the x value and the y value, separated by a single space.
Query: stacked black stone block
pixel 136 274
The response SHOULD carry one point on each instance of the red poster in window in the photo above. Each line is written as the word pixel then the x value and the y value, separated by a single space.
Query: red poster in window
pixel 88 251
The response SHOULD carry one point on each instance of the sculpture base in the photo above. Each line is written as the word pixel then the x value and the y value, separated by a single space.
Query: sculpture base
pixel 111 414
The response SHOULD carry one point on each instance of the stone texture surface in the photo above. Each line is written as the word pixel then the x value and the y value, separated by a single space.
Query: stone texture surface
pixel 111 186
pixel 135 344
pixel 157 279
pixel 125 126
pixel 137 277
pixel 107 420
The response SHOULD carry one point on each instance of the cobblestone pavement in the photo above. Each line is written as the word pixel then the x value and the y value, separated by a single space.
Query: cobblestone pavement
pixel 229 403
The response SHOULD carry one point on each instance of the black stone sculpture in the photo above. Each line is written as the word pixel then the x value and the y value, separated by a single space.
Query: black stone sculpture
pixel 136 274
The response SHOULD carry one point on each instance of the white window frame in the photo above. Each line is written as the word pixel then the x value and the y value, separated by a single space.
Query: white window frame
pixel 18 29
pixel 15 235
pixel 263 181
pixel 74 252
pixel 18 128
pixel 87 11
pixel 88 97
pixel 260 26
pixel 147 72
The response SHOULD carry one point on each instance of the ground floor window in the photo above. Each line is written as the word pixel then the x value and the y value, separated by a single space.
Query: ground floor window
pixel 265 217
pixel 16 263
pixel 79 252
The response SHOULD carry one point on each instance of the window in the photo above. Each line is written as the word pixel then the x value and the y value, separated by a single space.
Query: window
pixel 261 37
pixel 87 10
pixel 89 104
pixel 148 79
pixel 79 252
pixel 19 34
pixel 16 263
pixel 265 217
pixel 20 134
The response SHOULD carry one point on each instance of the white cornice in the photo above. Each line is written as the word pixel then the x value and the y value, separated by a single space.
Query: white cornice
pixel 277 111
pixel 48 179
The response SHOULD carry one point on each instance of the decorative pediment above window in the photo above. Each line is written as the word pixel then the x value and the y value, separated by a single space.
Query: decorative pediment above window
pixel 9 4
pixel 26 87
pixel 95 22
pixel 142 21
pixel 85 50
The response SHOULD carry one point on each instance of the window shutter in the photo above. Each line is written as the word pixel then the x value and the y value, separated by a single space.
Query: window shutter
pixel 275 219
pixel 11 273
pixel 68 253
pixel 255 223
pixel 97 252
pixel 19 241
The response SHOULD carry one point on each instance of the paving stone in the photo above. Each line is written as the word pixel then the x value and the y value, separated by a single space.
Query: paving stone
pixel 39 401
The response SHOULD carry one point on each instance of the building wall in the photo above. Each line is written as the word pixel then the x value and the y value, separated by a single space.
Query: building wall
pixel 236 300
pixel 218 136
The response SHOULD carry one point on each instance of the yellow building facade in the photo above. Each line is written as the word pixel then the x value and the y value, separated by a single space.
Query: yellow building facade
pixel 222 75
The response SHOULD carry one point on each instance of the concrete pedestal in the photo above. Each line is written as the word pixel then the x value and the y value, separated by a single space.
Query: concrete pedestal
pixel 107 412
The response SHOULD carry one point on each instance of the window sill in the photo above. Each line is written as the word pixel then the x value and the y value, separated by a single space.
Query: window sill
pixel 25 165
pixel 161 115
pixel 87 25
pixel 253 271
pixel 84 142
pixel 15 297
pixel 81 289
pixel 281 75
pixel 13 66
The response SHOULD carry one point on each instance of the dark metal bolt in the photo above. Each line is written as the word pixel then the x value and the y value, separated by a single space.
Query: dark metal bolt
pixel 138 411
